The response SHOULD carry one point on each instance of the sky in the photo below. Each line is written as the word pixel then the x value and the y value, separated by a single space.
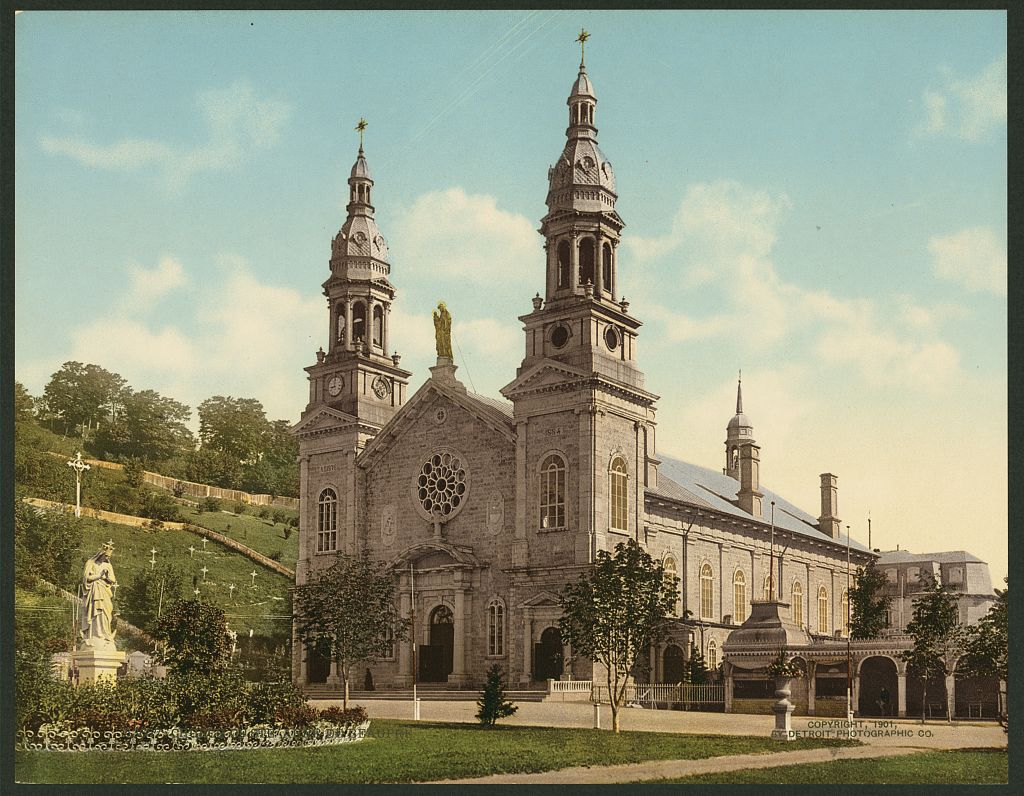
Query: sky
pixel 815 198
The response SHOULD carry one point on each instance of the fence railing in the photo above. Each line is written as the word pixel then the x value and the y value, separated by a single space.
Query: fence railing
pixel 570 686
pixel 666 693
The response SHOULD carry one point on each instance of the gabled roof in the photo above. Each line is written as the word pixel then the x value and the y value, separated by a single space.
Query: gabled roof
pixel 322 419
pixel 534 376
pixel 700 486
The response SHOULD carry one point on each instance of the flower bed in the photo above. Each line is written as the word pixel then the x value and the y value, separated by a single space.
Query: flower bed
pixel 65 738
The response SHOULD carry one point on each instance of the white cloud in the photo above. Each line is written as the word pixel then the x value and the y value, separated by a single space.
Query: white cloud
pixel 967 108
pixel 239 123
pixel 974 258
pixel 150 285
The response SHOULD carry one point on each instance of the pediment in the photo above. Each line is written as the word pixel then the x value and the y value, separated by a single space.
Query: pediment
pixel 543 599
pixel 544 374
pixel 322 419
pixel 433 554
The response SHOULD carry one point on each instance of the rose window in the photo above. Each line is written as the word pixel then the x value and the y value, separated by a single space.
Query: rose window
pixel 442 485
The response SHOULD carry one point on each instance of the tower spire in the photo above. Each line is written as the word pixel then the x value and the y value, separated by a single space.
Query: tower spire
pixel 360 127
pixel 739 394
pixel 582 39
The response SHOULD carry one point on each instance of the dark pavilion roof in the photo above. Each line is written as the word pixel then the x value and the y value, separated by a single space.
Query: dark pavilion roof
pixel 949 557
pixel 690 483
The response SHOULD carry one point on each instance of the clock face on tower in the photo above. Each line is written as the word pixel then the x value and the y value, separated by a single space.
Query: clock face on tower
pixel 334 385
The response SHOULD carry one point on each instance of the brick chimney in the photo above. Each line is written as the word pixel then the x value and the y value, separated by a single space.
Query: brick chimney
pixel 828 522
pixel 750 479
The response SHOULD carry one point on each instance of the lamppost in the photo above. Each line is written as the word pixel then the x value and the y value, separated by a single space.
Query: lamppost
pixel 849 651
pixel 79 467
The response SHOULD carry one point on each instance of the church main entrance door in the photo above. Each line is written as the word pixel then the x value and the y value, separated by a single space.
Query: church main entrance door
pixel 548 655
pixel 436 657
pixel 318 666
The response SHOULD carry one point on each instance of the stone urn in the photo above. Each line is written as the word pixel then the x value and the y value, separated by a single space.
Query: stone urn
pixel 783 709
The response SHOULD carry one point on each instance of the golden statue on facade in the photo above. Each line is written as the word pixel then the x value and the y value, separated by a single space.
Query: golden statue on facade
pixel 443 331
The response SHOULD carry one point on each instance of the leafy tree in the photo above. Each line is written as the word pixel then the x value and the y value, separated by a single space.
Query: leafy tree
pixel 80 395
pixel 986 647
pixel 149 427
pixel 868 602
pixel 208 466
pixel 346 611
pixel 492 703
pixel 696 669
pixel 144 598
pixel 46 545
pixel 196 635
pixel 237 427
pixel 24 405
pixel 616 611
pixel 35 471
pixel 159 506
pixel 134 473
pixel 937 636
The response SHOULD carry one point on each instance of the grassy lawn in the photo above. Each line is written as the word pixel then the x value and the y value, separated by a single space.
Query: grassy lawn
pixel 397 751
pixel 246 607
pixel 261 535
pixel 958 766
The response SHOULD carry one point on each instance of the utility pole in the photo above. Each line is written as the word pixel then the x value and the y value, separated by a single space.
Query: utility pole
pixel 412 616
pixel 771 559
pixel 849 651
pixel 79 467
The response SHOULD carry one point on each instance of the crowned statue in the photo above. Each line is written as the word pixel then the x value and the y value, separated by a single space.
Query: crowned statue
pixel 97 656
pixel 443 331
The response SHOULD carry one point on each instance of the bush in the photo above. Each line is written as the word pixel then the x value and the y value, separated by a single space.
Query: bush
pixel 133 473
pixel 159 506
pixel 46 545
pixel 264 513
pixel 209 504
pixel 336 715
pixel 239 508
pixel 196 633
pixel 276 556
pixel 280 516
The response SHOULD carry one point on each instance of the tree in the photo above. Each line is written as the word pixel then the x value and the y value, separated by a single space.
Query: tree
pixel 46 545
pixel 492 703
pixel 696 669
pixel 196 635
pixel 24 405
pixel 616 611
pixel 149 592
pixel 237 427
pixel 869 603
pixel 347 611
pixel 149 427
pixel 937 636
pixel 80 395
pixel 986 646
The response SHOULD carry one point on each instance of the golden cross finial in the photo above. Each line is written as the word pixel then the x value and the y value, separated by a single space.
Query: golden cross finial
pixel 582 39
pixel 360 127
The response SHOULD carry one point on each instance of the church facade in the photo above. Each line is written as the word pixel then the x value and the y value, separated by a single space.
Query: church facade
pixel 487 507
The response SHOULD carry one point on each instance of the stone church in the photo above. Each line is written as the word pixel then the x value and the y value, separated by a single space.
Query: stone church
pixel 486 507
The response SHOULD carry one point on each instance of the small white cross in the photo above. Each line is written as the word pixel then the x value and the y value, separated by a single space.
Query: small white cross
pixel 152 561
pixel 231 588
pixel 191 550
pixel 204 543
pixel 253 575
pixel 204 570
pixel 196 592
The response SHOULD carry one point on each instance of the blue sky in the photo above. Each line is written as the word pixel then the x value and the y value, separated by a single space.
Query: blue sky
pixel 818 198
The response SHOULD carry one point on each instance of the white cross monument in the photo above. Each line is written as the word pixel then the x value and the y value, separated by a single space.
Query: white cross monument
pixel 79 467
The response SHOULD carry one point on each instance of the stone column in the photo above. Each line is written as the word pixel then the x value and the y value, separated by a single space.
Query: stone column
pixel 519 545
pixel 566 657
pixel 303 663
pixel 615 256
pixel 527 674
pixel 598 266
pixel 348 324
pixel 855 695
pixel 950 695
pixel 901 695
pixel 659 663
pixel 458 675
pixel 404 676
pixel 384 329
pixel 652 660
pixel 574 263
pixel 551 259
pixel 333 678
pixel 812 668
pixel 370 304
pixel 728 681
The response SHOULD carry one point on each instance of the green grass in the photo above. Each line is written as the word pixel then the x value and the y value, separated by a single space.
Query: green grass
pixel 396 751
pixel 251 531
pixel 958 766
pixel 246 607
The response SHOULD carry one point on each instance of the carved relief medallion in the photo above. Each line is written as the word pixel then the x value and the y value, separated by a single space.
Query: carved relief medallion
pixel 495 513
pixel 387 525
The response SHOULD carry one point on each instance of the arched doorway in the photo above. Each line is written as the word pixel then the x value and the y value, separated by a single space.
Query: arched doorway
pixel 548 655
pixel 916 695
pixel 673 667
pixel 976 697
pixel 436 657
pixel 878 687
pixel 318 665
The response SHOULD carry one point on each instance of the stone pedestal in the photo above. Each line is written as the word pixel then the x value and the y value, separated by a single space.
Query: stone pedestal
pixel 97 663
pixel 783 710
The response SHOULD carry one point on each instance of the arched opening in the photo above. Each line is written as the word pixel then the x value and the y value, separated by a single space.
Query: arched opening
pixel 712 658
pixel 341 323
pixel 618 482
pixel 547 655
pixel 552 492
pixel 798 603
pixel 563 263
pixel 436 657
pixel 606 267
pixel 671 579
pixel 930 701
pixel 318 664
pixel 707 592
pixel 739 597
pixel 878 687
pixel 824 616
pixel 378 325
pixel 358 321
pixel 975 697
pixel 673 665
pixel 586 261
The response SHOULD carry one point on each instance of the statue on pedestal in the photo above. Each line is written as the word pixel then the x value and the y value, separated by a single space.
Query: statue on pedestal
pixel 97 588
pixel 443 331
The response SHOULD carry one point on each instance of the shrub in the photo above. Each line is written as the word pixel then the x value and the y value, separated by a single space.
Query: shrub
pixel 209 504
pixel 492 703
pixel 280 516
pixel 159 506
pixel 336 715
pixel 276 556
pixel 264 513
pixel 196 633
pixel 133 473
pixel 239 508
pixel 265 700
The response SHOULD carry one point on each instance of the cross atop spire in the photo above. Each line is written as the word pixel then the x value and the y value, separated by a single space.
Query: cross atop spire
pixel 582 39
pixel 739 394
pixel 360 127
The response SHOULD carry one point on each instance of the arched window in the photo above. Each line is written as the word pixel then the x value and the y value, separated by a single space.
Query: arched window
pixel 358 321
pixel 707 592
pixel 378 324
pixel 389 643
pixel 586 261
pixel 768 586
pixel 798 603
pixel 563 264
pixel 327 522
pixel 823 618
pixel 496 627
pixel 739 596
pixel 341 323
pixel 618 482
pixel 552 492
pixel 712 656
pixel 844 607
pixel 671 573
pixel 606 267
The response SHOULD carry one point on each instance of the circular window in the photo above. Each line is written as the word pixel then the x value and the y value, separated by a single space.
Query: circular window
pixel 560 336
pixel 611 338
pixel 441 485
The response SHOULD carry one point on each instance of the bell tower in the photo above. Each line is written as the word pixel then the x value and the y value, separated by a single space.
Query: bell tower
pixel 356 375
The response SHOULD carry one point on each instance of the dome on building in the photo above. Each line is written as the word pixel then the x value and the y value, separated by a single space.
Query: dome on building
pixel 740 421
pixel 582 87
pixel 359 169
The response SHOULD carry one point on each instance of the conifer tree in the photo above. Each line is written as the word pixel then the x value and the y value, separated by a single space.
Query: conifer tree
pixel 492 703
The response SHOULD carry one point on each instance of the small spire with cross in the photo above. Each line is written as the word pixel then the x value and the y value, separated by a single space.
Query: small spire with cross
pixel 361 127
pixel 582 39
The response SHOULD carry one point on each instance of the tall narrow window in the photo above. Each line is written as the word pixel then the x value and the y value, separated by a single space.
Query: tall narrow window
pixel 378 324
pixel 739 596
pixel 712 661
pixel 563 264
pixel 586 261
pixel 606 267
pixel 341 323
pixel 620 500
pixel 327 522
pixel 358 321
pixel 671 573
pixel 496 628
pixel 552 492
pixel 768 586
pixel 798 603
pixel 844 608
pixel 707 592
pixel 823 618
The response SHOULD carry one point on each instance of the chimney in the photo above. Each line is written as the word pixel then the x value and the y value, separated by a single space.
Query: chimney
pixel 750 465
pixel 828 522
